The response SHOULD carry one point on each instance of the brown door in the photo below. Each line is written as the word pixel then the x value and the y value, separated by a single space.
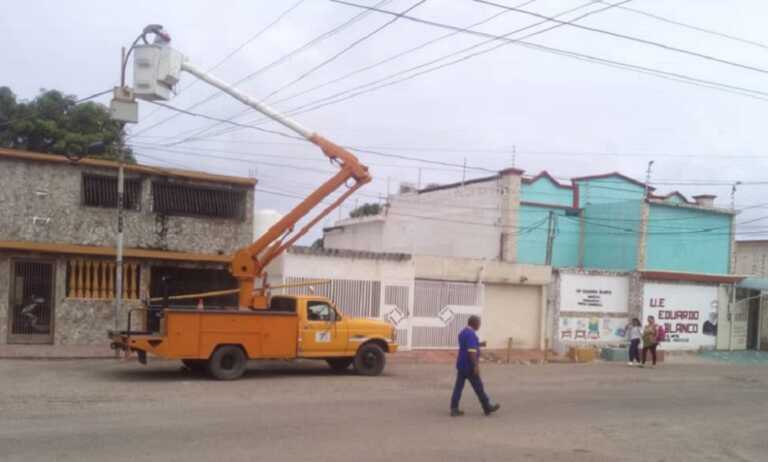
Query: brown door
pixel 31 317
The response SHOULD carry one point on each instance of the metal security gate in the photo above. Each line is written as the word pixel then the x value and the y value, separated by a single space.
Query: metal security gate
pixel 398 312
pixel 441 309
pixel 358 298
pixel 31 316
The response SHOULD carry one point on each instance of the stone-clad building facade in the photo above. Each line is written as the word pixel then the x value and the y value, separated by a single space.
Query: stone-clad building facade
pixel 57 245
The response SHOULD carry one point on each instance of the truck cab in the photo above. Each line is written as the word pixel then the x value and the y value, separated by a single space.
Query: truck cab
pixel 222 341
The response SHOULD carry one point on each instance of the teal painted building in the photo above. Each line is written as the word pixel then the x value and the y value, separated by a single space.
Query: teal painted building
pixel 599 224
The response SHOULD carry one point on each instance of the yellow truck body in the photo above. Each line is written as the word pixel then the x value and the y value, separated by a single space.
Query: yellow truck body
pixel 291 327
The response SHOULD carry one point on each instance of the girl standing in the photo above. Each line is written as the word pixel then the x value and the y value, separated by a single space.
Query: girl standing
pixel 634 334
pixel 650 339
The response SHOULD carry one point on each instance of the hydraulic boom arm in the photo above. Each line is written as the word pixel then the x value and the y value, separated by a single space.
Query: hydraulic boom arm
pixel 156 71
pixel 249 263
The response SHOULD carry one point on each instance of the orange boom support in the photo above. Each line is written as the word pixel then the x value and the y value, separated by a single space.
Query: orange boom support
pixel 248 264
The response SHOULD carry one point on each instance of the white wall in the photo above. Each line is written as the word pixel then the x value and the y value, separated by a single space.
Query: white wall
pixel 684 309
pixel 752 258
pixel 365 235
pixel 512 311
pixel 464 221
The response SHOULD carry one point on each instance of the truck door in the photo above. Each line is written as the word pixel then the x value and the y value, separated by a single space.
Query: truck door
pixel 324 333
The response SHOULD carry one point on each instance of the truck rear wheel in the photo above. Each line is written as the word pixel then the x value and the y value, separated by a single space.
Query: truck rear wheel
pixel 227 363
pixel 370 359
pixel 339 364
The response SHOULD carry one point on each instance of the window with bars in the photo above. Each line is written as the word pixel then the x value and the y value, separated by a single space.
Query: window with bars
pixel 101 191
pixel 95 279
pixel 193 200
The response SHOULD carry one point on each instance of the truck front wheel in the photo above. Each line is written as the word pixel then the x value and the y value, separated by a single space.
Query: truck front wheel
pixel 227 363
pixel 370 359
pixel 339 364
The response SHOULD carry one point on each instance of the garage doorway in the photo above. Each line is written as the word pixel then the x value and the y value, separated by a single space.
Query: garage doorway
pixel 32 304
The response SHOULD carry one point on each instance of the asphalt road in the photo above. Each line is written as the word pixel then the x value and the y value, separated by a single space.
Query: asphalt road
pixel 103 410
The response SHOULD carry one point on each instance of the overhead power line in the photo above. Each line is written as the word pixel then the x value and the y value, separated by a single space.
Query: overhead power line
pixel 395 56
pixel 240 47
pixel 631 38
pixel 344 50
pixel 456 30
pixel 313 69
pixel 387 81
pixel 288 135
pixel 690 26
pixel 682 78
pixel 314 41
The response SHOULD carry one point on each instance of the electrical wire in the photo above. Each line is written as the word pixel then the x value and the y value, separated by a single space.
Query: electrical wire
pixel 344 50
pixel 240 47
pixel 629 37
pixel 704 232
pixel 691 27
pixel 311 70
pixel 314 41
pixel 682 78
pixel 384 83
pixel 459 52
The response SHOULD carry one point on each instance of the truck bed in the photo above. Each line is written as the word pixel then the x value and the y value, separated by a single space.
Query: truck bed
pixel 192 334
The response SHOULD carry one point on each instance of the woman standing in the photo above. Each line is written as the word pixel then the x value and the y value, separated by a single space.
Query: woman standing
pixel 650 339
pixel 634 334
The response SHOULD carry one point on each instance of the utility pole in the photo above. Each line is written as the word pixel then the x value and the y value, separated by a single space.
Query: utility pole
pixel 550 237
pixel 733 194
pixel 514 155
pixel 648 180
pixel 464 173
pixel 645 212
pixel 123 108
pixel 119 252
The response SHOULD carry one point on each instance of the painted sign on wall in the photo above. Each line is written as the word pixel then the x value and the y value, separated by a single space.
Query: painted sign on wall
pixel 592 329
pixel 585 293
pixel 687 312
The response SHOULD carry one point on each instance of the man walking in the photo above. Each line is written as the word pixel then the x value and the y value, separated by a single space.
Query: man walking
pixel 468 368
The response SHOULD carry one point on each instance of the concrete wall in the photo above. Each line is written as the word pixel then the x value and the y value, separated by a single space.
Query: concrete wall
pixel 477 219
pixel 52 192
pixel 607 190
pixel 532 238
pixel 365 234
pixel 544 191
pixel 77 323
pixel 676 242
pixel 324 266
pixel 457 222
pixel 512 311
pixel 486 271
pixel 611 235
pixel 752 258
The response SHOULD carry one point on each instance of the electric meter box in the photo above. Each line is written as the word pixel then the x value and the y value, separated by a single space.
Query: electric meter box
pixel 156 70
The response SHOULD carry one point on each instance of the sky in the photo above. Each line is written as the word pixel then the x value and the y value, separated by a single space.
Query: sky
pixel 518 105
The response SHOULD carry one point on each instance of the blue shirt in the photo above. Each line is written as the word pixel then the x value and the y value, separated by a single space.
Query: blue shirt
pixel 468 342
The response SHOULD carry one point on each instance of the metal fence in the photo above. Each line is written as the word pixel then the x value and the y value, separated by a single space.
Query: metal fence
pixel 360 298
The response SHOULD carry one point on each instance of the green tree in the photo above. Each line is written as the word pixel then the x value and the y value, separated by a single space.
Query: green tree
pixel 319 244
pixel 54 123
pixel 365 210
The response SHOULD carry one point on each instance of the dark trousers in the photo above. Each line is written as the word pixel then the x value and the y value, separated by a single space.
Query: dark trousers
pixel 477 385
pixel 652 349
pixel 634 350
